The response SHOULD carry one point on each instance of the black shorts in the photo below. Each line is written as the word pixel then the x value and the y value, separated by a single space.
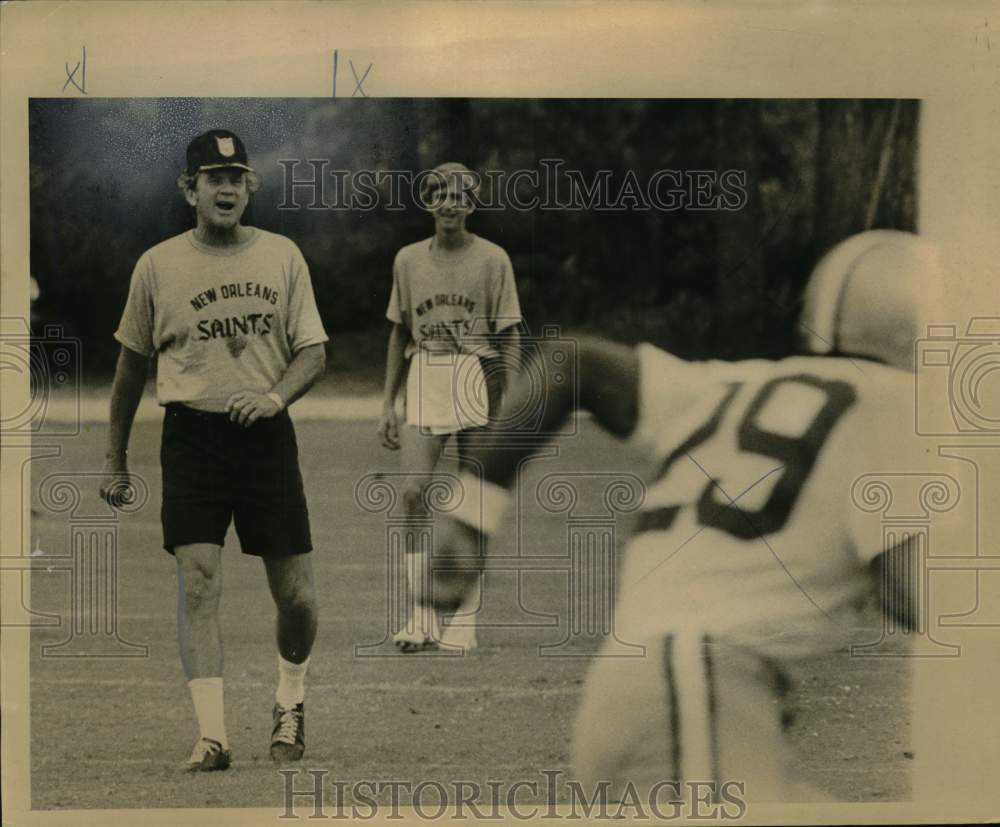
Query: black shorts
pixel 216 472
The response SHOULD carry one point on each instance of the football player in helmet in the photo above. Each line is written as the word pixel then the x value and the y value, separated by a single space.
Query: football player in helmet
pixel 748 551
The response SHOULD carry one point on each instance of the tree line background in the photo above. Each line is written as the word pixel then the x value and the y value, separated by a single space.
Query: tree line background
pixel 720 284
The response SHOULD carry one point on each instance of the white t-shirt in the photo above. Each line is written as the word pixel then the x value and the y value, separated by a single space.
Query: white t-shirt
pixel 221 319
pixel 749 530
pixel 452 300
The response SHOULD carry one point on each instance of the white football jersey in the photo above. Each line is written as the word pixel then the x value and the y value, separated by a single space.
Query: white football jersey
pixel 748 529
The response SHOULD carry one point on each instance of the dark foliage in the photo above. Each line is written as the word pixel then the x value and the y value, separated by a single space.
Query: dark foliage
pixel 721 283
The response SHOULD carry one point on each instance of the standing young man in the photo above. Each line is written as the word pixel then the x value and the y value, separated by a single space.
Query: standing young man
pixel 455 316
pixel 229 311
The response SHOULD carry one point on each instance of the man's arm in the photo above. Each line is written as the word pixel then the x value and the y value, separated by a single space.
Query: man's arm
pixel 603 379
pixel 126 391
pixel 508 344
pixel 307 365
pixel 395 363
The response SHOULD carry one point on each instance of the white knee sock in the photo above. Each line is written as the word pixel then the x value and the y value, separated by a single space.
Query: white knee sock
pixel 206 693
pixel 291 682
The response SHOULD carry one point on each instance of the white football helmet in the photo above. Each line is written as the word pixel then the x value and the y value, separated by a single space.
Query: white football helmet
pixel 870 296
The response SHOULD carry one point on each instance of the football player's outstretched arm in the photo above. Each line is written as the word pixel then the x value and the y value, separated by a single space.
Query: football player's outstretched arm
pixel 603 380
pixel 508 343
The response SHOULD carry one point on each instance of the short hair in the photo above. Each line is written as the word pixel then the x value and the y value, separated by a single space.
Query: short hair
pixel 187 183
pixel 442 175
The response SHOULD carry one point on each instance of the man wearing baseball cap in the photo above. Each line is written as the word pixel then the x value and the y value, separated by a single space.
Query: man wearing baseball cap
pixel 229 311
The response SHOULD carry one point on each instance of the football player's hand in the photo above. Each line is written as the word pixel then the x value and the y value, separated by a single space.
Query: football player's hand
pixel 246 407
pixel 457 562
pixel 388 429
pixel 116 484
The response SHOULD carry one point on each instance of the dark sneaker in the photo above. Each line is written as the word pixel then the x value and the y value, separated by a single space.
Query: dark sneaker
pixel 413 641
pixel 288 738
pixel 208 756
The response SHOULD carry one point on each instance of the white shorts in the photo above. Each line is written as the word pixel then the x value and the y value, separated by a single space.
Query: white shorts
pixel 693 709
pixel 446 392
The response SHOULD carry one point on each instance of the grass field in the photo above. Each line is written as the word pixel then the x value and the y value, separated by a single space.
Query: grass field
pixel 112 733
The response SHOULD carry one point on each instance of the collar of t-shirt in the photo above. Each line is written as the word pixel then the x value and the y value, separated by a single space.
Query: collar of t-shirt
pixel 224 249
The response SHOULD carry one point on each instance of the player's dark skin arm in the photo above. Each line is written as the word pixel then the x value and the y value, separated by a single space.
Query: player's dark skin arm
pixel 395 364
pixel 126 391
pixel 307 365
pixel 603 379
pixel 508 345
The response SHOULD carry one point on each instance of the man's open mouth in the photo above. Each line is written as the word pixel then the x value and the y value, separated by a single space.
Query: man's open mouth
pixel 225 206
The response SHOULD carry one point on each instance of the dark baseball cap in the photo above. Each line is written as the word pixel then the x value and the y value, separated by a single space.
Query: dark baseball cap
pixel 216 149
